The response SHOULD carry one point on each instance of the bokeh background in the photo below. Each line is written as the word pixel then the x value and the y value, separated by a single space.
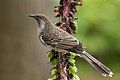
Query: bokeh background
pixel 22 57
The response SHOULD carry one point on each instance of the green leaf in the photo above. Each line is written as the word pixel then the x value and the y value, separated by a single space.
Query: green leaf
pixel 50 54
pixel 75 23
pixel 72 61
pixel 72 69
pixel 54 62
pixel 52 58
pixel 54 77
pixel 75 77
pixel 72 55
pixel 54 72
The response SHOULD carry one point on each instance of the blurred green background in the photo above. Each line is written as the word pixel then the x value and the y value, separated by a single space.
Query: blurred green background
pixel 22 57
pixel 98 29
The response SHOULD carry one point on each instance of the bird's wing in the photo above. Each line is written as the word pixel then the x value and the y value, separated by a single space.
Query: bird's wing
pixel 64 40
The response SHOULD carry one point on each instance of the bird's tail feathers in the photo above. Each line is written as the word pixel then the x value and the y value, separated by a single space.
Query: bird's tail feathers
pixel 96 64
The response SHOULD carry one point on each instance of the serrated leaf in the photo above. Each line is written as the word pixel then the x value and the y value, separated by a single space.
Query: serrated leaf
pixel 50 54
pixel 72 61
pixel 72 55
pixel 75 77
pixel 54 72
pixel 54 62
pixel 52 58
pixel 72 69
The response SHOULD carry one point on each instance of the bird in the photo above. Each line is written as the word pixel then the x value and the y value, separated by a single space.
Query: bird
pixel 60 40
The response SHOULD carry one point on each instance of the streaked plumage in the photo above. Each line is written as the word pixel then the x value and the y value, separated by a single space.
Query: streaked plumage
pixel 53 36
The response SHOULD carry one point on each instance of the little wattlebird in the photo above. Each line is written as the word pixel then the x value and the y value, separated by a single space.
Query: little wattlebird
pixel 60 40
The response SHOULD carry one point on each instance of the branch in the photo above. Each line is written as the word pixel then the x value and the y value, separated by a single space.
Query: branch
pixel 64 62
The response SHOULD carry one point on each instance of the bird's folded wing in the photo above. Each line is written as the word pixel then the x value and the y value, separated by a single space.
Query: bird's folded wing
pixel 64 40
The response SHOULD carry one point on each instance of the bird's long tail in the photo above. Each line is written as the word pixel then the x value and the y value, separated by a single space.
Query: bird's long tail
pixel 96 64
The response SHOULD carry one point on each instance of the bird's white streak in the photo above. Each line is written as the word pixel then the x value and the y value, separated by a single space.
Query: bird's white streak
pixel 42 24
pixel 42 40
pixel 104 75
pixel 110 74
pixel 84 52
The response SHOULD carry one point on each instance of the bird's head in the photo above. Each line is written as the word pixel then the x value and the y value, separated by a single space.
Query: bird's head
pixel 41 19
